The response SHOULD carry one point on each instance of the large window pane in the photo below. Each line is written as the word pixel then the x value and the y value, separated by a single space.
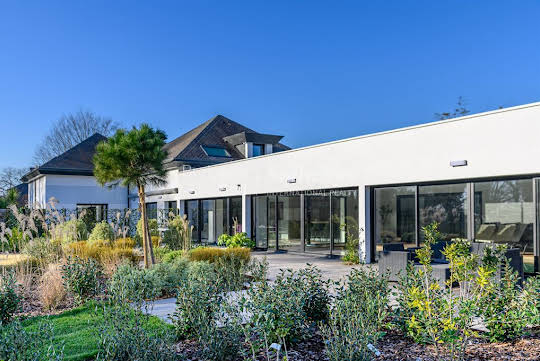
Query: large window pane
pixel 395 216
pixel 260 220
pixel 192 211
pixel 504 213
pixel 317 223
pixel 289 223
pixel 272 226
pixel 447 205
pixel 344 218
pixel 236 215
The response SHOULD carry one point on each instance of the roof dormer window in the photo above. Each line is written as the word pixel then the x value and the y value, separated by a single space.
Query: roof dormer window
pixel 258 149
pixel 216 151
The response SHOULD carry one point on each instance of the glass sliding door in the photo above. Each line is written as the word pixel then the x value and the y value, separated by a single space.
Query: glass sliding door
pixel 272 222
pixel 260 221
pixel 235 214
pixel 395 216
pixel 317 223
pixel 447 205
pixel 289 214
pixel 344 218
pixel 192 212
pixel 221 219
pixel 504 212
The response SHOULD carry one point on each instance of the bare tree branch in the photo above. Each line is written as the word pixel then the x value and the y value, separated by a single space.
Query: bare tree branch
pixel 70 130
pixel 10 177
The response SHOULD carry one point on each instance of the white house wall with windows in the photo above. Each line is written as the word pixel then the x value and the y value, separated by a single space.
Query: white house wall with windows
pixel 476 175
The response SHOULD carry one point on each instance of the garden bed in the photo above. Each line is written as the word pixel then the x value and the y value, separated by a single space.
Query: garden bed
pixel 397 347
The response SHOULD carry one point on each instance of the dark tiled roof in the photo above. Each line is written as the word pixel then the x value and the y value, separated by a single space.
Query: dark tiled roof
pixel 188 148
pixel 77 160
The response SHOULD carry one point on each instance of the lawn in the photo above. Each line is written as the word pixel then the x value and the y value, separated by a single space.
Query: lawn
pixel 78 330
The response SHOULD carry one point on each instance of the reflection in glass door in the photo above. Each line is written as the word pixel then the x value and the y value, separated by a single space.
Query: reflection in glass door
pixel 289 213
pixel 260 219
pixel 317 223
pixel 272 226
pixel 192 211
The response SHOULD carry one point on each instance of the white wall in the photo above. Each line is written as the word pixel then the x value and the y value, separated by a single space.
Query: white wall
pixel 70 190
pixel 499 143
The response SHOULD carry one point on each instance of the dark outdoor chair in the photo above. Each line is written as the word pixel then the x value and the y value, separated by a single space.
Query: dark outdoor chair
pixel 394 259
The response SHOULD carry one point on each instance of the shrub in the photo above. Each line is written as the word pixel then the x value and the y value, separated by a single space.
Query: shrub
pixel 152 227
pixel 16 343
pixel 506 306
pixel 211 254
pixel 43 251
pixel 351 250
pixel 237 240
pixel 71 231
pixel 51 288
pixel 124 243
pixel 81 278
pixel 530 299
pixel 173 255
pixel 279 309
pixel 132 284
pixel 170 275
pixel 103 251
pixel 357 316
pixel 125 337
pixel 178 234
pixel 102 232
pixel 198 299
pixel 9 298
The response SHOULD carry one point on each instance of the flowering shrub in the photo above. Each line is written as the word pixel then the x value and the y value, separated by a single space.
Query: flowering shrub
pixel 102 232
pixel 82 278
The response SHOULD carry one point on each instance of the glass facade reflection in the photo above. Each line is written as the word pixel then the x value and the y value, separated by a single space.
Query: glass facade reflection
pixel 445 204
pixel 496 211
pixel 395 216
pixel 312 221
pixel 211 218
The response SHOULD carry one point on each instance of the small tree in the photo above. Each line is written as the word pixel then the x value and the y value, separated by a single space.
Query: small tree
pixel 136 158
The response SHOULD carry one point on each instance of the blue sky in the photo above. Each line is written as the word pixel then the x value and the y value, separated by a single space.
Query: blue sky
pixel 313 71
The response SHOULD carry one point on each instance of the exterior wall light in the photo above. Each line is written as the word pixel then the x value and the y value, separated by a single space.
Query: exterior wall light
pixel 191 192
pixel 291 180
pixel 222 189
pixel 458 163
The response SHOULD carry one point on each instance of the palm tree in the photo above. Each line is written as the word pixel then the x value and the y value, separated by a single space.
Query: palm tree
pixel 135 158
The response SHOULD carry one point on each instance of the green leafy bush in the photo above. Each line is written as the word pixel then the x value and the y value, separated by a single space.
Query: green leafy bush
pixel 16 343
pixel 173 255
pixel 71 231
pixel 9 298
pixel 351 250
pixel 198 299
pixel 282 311
pixel 43 251
pixel 125 336
pixel 170 275
pixel 102 232
pixel 357 316
pixel 506 307
pixel 238 240
pixel 133 284
pixel 82 278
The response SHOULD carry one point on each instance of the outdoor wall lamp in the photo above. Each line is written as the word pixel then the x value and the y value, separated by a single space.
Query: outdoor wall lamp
pixel 191 192
pixel 291 180
pixel 222 189
pixel 458 163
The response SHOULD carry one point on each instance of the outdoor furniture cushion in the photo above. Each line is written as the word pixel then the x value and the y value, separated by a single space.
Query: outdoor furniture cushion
pixel 486 231
pixel 387 247
pixel 506 233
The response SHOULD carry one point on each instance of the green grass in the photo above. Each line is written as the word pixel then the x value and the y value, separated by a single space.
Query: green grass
pixel 78 330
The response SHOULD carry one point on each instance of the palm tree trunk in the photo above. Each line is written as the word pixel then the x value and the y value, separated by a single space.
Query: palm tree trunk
pixel 147 240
